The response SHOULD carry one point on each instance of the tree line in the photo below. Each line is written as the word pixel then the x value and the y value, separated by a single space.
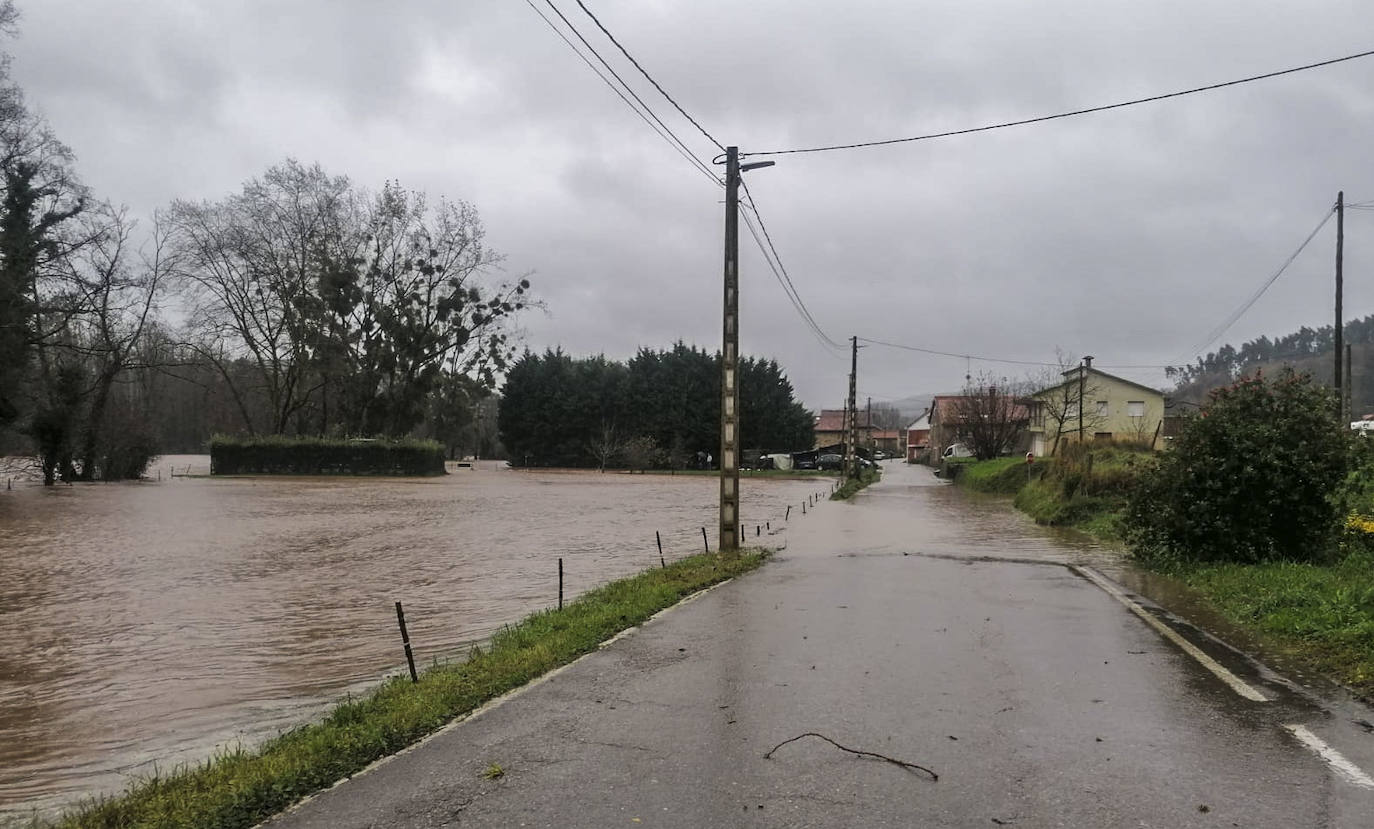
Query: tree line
pixel 1304 348
pixel 301 305
pixel 659 409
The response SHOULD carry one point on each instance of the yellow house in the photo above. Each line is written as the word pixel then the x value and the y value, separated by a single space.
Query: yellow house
pixel 1116 409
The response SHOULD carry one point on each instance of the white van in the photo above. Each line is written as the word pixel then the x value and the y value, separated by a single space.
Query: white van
pixel 957 450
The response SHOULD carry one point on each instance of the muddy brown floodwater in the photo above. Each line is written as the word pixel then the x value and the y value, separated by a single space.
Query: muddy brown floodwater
pixel 145 624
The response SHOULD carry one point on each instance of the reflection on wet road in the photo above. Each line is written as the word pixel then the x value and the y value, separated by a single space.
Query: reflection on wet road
pixel 150 622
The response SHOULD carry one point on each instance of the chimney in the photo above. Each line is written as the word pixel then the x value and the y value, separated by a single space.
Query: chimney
pixel 1088 362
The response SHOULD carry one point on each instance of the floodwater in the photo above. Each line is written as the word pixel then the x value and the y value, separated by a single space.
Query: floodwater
pixel 143 625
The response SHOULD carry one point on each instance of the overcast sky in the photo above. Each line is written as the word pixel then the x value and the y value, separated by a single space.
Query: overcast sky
pixel 1127 235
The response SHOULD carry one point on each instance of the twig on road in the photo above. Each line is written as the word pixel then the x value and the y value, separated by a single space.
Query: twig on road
pixel 893 760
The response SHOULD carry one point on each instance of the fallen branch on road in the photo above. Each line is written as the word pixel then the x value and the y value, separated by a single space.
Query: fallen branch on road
pixel 893 760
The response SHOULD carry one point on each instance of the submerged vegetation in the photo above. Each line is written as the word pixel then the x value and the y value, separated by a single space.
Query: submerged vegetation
pixel 851 486
pixel 242 787
pixel 280 455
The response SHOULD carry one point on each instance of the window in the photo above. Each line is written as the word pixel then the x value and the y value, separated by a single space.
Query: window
pixel 1102 435
pixel 1135 408
pixel 1101 408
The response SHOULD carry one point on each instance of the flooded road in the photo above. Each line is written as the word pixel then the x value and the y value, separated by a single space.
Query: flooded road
pixel 149 623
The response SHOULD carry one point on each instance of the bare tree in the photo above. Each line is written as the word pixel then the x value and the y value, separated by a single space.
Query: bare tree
pixel 990 415
pixel 887 417
pixel 605 444
pixel 1060 398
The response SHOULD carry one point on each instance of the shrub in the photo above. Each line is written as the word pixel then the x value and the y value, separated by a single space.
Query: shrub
pixel 1257 477
pixel 279 455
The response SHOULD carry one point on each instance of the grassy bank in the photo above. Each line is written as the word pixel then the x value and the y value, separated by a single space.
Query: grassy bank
pixel 1084 487
pixel 1322 614
pixel 853 485
pixel 240 788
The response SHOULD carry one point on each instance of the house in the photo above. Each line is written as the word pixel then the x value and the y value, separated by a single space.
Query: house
pixel 1117 409
pixel 948 424
pixel 888 441
pixel 918 437
pixel 831 428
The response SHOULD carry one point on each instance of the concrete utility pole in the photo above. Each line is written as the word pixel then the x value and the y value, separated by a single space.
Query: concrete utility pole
pixel 852 448
pixel 869 425
pixel 729 364
pixel 729 359
pixel 1349 402
pixel 1082 394
pixel 1340 289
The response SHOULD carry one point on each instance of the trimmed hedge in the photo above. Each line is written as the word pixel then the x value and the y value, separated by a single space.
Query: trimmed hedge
pixel 279 455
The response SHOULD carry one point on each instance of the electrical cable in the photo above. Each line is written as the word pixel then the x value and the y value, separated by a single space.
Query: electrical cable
pixel 662 129
pixel 649 77
pixel 789 287
pixel 1042 118
pixel 1235 316
pixel 794 299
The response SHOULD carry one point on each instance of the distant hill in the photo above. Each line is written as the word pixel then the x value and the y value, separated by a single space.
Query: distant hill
pixel 1307 350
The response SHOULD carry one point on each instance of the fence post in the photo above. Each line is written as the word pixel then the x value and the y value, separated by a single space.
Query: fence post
pixel 704 542
pixel 560 583
pixel 789 513
pixel 405 640
pixel 803 508
pixel 658 538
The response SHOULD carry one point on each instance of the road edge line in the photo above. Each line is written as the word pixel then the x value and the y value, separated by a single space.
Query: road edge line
pixel 1333 758
pixel 1236 684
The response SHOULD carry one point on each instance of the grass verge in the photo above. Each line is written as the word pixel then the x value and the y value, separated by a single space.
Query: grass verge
pixel 242 787
pixel 1321 613
pixel 853 485
pixel 1084 487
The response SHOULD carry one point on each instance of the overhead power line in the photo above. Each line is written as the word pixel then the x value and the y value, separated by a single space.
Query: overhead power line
pixel 1070 114
pixel 984 359
pixel 649 77
pixel 656 123
pixel 780 271
pixel 1221 328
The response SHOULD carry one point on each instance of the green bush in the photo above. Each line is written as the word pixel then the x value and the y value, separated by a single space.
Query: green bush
pixel 1259 476
pixel 279 455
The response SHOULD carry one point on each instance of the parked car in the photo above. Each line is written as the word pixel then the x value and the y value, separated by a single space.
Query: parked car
pixel 880 455
pixel 805 464
pixel 957 450
pixel 829 462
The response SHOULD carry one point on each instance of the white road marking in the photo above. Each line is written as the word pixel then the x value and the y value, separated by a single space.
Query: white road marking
pixel 1237 684
pixel 1333 758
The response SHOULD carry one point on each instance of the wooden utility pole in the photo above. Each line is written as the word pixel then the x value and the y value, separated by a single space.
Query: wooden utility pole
pixel 729 364
pixel 1340 287
pixel 853 446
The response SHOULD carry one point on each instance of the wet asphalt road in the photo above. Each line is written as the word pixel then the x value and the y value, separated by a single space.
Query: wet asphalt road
pixel 1039 699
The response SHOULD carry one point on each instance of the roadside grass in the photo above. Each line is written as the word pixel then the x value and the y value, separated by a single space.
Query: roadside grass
pixel 1083 487
pixel 1003 476
pixel 848 489
pixel 241 787
pixel 1324 614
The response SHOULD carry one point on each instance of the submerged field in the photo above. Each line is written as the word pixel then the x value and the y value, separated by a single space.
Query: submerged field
pixel 146 624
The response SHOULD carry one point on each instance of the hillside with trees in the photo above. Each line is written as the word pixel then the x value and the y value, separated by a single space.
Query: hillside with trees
pixel 1306 350
pixel 660 409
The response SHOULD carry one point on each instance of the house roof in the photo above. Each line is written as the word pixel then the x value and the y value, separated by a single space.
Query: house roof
pixel 832 420
pixel 946 409
pixel 922 422
pixel 1074 371
pixel 886 434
